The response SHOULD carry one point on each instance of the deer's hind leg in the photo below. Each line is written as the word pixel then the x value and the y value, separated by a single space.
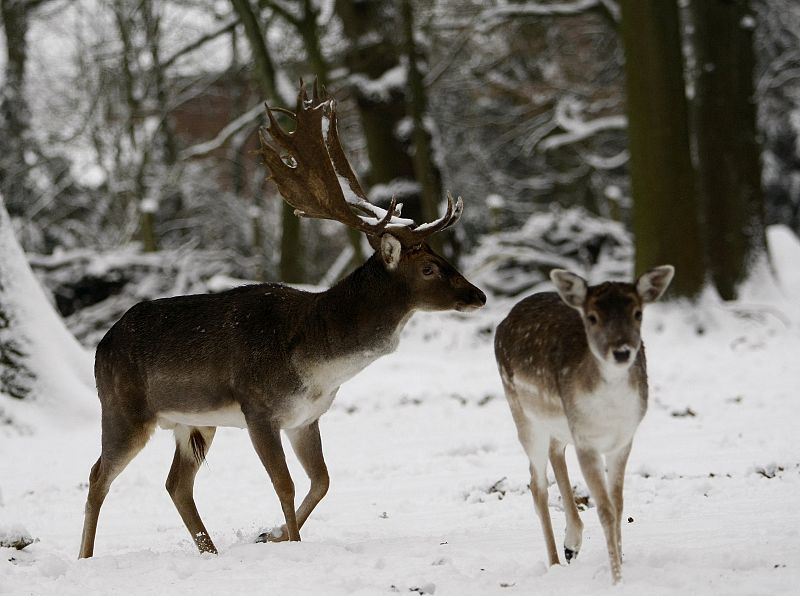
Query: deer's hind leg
pixel 536 442
pixel 122 440
pixel 191 445
pixel 574 534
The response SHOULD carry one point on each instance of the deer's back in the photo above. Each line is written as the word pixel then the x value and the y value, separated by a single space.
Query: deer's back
pixel 208 346
pixel 540 338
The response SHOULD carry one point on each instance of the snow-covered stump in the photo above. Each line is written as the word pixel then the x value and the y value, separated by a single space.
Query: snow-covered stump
pixel 15 536
pixel 44 372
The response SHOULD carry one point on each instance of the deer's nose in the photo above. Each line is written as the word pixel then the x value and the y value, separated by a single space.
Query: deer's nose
pixel 480 296
pixel 622 355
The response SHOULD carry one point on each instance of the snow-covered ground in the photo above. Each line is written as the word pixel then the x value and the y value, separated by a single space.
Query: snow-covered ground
pixel 428 491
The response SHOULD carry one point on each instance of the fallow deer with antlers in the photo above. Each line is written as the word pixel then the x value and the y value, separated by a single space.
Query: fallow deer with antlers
pixel 573 368
pixel 269 357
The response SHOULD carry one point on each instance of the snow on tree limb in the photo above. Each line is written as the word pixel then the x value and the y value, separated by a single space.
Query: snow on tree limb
pixel 546 9
pixel 229 130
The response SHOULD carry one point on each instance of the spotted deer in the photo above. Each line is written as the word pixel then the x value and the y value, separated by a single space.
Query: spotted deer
pixel 269 357
pixel 573 369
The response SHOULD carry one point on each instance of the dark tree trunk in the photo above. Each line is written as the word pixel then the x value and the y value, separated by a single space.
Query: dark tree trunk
pixel 728 155
pixel 14 112
pixel 371 29
pixel 291 265
pixel 306 26
pixel 666 214
pixel 425 169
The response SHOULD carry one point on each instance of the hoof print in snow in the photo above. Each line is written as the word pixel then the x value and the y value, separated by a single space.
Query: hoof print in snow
pixel 409 401
pixel 428 588
pixel 496 491
pixel 769 471
pixel 685 413
pixel 485 399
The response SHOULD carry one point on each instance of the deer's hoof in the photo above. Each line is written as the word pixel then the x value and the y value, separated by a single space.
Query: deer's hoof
pixel 570 554
pixel 274 535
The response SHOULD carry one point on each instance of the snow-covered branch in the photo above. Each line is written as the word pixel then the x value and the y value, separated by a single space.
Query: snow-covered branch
pixel 584 130
pixel 569 118
pixel 203 149
pixel 547 9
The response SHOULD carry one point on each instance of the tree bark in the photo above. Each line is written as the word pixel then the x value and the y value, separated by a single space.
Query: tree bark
pixel 291 265
pixel 14 111
pixel 728 154
pixel 306 26
pixel 666 214
pixel 370 28
pixel 425 169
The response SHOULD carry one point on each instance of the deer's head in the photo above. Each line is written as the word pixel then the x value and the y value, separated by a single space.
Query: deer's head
pixel 612 311
pixel 313 175
pixel 432 282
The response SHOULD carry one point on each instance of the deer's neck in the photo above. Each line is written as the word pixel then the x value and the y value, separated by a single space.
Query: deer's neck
pixel 364 313
pixel 596 373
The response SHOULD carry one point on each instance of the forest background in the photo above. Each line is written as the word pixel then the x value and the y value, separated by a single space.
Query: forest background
pixel 601 136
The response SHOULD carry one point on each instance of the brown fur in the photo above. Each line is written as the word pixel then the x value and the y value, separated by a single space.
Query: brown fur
pixel 574 371
pixel 254 348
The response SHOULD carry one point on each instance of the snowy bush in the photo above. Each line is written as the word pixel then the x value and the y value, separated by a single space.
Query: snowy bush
pixel 517 262
pixel 92 290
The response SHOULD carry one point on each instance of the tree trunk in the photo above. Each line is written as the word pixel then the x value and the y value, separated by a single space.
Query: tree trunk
pixel 14 112
pixel 165 156
pixel 371 28
pixel 291 265
pixel 728 155
pixel 425 169
pixel 666 214
pixel 306 25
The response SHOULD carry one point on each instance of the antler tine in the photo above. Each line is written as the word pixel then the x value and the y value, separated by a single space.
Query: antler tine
pixel 409 236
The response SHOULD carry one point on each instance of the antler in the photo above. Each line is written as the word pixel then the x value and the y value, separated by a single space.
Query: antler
pixel 314 176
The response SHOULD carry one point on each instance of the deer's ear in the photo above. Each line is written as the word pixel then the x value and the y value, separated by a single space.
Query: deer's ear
pixel 571 287
pixel 651 285
pixel 390 251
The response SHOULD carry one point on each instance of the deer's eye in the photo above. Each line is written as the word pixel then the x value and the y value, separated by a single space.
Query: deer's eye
pixel 429 270
pixel 637 315
pixel 592 318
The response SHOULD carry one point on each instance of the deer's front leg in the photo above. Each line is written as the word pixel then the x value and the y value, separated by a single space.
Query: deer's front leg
pixel 615 469
pixel 266 438
pixel 593 472
pixel 307 445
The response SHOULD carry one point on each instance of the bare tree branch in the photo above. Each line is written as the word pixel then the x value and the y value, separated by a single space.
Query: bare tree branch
pixel 199 42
